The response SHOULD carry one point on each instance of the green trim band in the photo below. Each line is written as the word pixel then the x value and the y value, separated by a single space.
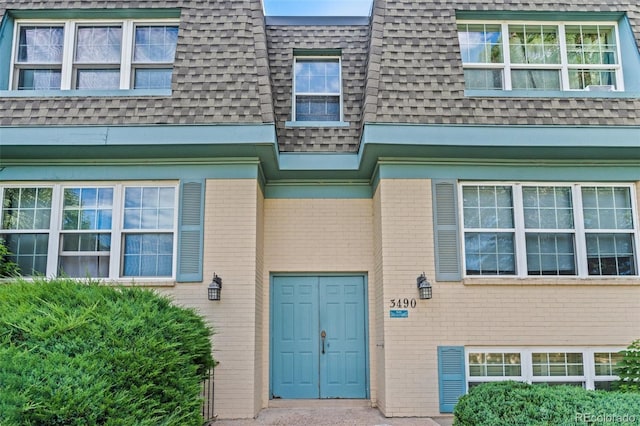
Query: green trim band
pixel 84 93
pixel 511 15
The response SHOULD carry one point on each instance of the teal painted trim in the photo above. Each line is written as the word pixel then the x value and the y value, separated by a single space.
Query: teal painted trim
pixel 316 124
pixel 318 161
pixel 630 56
pixel 319 190
pixel 138 135
pixel 84 93
pixel 516 171
pixel 317 52
pixel 119 13
pixel 503 136
pixel 191 231
pixel 451 376
pixel 634 93
pixel 512 15
pixel 6 37
pixel 150 171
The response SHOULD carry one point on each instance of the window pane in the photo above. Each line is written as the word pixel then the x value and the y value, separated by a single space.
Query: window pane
pixel 489 253
pixel 149 255
pixel 153 78
pixel 534 44
pixel 607 208
pixel 581 78
pixel 84 266
pixel 317 76
pixel 102 79
pixel 155 43
pixel 29 251
pixel 550 254
pixel 547 207
pixel 317 108
pixel 89 242
pixel 87 208
pixel 26 208
pixel 488 207
pixel 41 44
pixel 610 254
pixel 591 44
pixel 483 79
pixel 143 207
pixel 494 364
pixel 39 79
pixel 99 44
pixel 535 79
pixel 480 43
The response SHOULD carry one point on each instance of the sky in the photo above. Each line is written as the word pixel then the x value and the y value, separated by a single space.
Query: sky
pixel 317 7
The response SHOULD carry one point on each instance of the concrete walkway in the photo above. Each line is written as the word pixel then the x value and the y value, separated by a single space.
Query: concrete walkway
pixel 329 414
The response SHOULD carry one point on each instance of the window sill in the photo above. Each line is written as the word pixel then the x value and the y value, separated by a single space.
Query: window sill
pixel 548 94
pixel 293 124
pixel 83 93
pixel 553 280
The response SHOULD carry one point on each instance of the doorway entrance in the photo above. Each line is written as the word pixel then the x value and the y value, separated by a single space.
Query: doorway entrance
pixel 318 337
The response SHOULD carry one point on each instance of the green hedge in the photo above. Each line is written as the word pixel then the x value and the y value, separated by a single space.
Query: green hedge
pixel 515 403
pixel 88 354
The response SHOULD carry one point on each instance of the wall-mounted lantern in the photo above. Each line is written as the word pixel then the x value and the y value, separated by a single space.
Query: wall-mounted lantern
pixel 424 287
pixel 215 287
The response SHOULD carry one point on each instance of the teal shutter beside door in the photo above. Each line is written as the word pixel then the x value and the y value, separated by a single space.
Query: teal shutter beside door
pixel 445 224
pixel 451 376
pixel 190 231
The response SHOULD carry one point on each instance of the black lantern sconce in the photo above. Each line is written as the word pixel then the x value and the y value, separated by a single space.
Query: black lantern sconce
pixel 424 287
pixel 215 287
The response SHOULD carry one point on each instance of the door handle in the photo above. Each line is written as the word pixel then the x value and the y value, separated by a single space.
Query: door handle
pixel 323 335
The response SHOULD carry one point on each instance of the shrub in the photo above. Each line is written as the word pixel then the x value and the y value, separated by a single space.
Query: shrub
pixel 80 354
pixel 629 369
pixel 8 268
pixel 515 403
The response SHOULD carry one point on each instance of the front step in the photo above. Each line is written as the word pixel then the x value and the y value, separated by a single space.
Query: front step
pixel 319 403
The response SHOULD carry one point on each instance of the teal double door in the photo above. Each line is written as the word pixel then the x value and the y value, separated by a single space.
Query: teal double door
pixel 318 337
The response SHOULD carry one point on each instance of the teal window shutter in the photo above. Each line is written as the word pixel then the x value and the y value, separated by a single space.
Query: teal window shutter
pixel 451 376
pixel 445 224
pixel 6 44
pixel 190 231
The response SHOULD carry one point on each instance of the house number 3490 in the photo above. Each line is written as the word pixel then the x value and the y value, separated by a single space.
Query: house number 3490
pixel 403 303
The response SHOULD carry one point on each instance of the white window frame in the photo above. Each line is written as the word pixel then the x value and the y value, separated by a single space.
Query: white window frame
pixel 295 94
pixel 579 230
pixel 69 67
pixel 117 230
pixel 588 378
pixel 506 66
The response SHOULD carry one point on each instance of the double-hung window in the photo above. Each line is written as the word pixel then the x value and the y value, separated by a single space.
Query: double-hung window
pixel 554 56
pixel 528 229
pixel 101 231
pixel 317 94
pixel 94 55
pixel 591 368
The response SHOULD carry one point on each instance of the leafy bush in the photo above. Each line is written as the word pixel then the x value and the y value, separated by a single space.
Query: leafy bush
pixel 629 369
pixel 8 268
pixel 89 354
pixel 515 403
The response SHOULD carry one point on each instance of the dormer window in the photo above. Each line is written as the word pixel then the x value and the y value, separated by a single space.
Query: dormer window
pixel 94 55
pixel 317 89
pixel 498 55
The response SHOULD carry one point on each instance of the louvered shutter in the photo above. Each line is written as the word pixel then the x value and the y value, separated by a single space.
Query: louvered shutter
pixel 451 376
pixel 447 241
pixel 190 232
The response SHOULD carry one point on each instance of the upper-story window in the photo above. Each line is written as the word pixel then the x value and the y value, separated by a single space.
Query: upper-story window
pixel 98 55
pixel 317 89
pixel 528 229
pixel 540 55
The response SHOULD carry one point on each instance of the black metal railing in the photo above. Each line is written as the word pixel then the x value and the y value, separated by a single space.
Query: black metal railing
pixel 207 394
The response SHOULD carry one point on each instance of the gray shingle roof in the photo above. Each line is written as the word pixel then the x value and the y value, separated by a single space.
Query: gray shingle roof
pixel 353 43
pixel 421 80
pixel 220 73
